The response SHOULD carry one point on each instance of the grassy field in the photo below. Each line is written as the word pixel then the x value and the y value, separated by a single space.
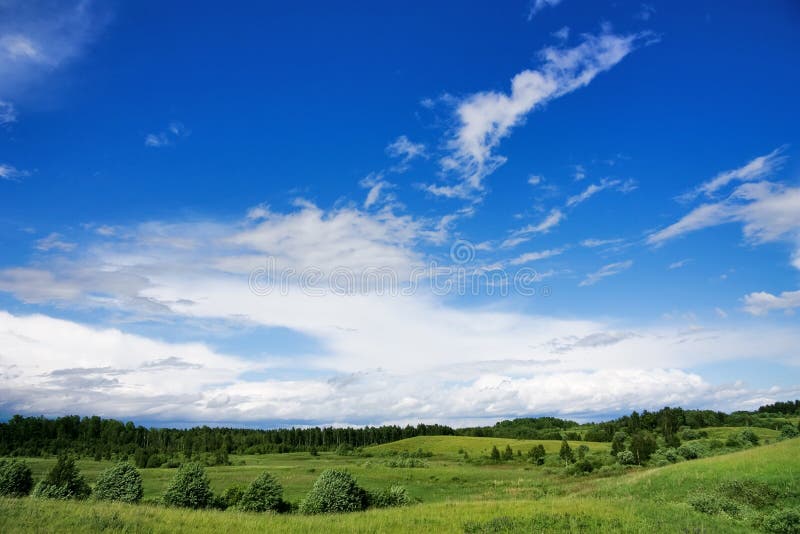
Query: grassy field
pixel 456 496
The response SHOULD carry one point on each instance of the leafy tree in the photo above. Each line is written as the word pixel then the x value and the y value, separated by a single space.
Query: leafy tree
pixel 583 450
pixel 508 453
pixel 643 445
pixel 537 454
pixel 495 454
pixel 16 479
pixel 189 488
pixel 121 482
pixel 334 491
pixel 264 494
pixel 566 453
pixel 618 442
pixel 64 481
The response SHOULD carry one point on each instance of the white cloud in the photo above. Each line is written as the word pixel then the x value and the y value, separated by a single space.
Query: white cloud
pixel 54 241
pixel 485 118
pixel 756 169
pixel 378 188
pixel 37 37
pixel 524 234
pixel 8 113
pixel 174 131
pixel 594 243
pixel 535 179
pixel 761 303
pixel 593 189
pixel 562 34
pixel 538 5
pixel 535 256
pixel 405 150
pixel 679 264
pixel 8 172
pixel 646 12
pixel 722 314
pixel 436 360
pixel 607 270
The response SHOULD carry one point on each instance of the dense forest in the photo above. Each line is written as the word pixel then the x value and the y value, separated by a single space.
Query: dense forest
pixel 103 438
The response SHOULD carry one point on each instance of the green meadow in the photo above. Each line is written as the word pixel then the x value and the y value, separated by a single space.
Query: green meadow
pixel 751 490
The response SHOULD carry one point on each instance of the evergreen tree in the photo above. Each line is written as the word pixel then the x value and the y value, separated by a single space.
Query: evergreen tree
pixel 495 455
pixel 566 453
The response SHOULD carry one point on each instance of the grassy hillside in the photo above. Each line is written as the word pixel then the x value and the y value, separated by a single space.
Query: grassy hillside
pixel 451 445
pixel 459 497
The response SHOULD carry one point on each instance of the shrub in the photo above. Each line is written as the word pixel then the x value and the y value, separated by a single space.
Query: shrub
pixel 231 496
pixel 264 494
pixel 406 462
pixel 154 461
pixel 121 482
pixel 786 521
pixel 788 432
pixel 692 451
pixel 334 491
pixel 15 478
pixel 626 458
pixel 64 481
pixel 537 454
pixel 392 496
pixel 710 503
pixel 189 488
pixel 750 492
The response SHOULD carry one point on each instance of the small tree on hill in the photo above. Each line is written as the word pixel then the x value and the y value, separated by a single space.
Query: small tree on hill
pixel 566 453
pixel 15 478
pixel 537 454
pixel 121 482
pixel 508 453
pixel 189 488
pixel 64 481
pixel 264 494
pixel 334 491
pixel 495 454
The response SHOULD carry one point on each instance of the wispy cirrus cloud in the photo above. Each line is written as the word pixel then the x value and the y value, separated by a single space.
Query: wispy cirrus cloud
pixel 167 137
pixel 618 185
pixel 524 234
pixel 484 119
pixel 54 241
pixel 756 169
pixel 8 113
pixel 40 36
pixel 538 5
pixel 11 173
pixel 611 269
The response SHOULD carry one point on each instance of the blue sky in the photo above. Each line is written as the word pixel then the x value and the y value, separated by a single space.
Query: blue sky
pixel 635 164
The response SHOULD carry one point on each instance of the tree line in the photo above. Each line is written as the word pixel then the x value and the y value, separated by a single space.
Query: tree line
pixel 103 438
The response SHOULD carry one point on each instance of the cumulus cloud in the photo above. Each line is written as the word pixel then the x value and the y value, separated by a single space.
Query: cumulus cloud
pixel 484 119
pixel 761 302
pixel 54 241
pixel 607 270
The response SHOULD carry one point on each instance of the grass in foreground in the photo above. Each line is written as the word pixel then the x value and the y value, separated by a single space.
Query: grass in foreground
pixel 643 500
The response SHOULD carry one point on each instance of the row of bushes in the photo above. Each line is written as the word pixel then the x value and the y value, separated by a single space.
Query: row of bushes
pixel 333 491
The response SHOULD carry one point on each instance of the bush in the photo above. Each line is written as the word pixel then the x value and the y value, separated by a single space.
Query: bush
pixel 788 432
pixel 626 458
pixel 406 462
pixel 121 482
pixel 692 451
pixel 334 491
pixel 264 494
pixel 392 496
pixel 154 461
pixel 15 478
pixel 231 496
pixel 786 521
pixel 710 503
pixel 189 488
pixel 64 481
